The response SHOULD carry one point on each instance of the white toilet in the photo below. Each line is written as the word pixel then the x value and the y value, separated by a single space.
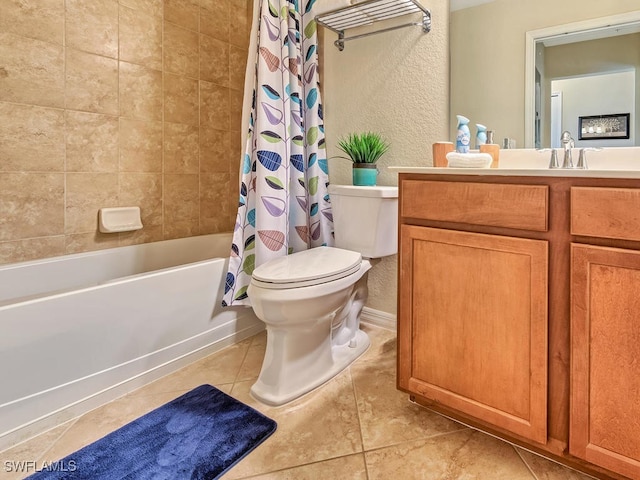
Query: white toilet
pixel 310 301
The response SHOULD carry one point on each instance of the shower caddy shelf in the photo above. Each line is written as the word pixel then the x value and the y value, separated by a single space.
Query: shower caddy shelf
pixel 368 12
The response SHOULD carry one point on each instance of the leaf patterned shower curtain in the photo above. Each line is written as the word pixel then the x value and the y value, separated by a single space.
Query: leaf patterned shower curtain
pixel 284 206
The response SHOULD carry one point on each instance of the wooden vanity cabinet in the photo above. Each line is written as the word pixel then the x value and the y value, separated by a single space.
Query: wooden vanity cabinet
pixel 605 329
pixel 474 305
pixel 519 311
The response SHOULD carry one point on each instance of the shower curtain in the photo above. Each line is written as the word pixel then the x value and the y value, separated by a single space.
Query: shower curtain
pixel 284 206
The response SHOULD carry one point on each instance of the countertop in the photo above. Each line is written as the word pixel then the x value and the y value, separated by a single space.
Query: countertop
pixel 521 172
pixel 620 162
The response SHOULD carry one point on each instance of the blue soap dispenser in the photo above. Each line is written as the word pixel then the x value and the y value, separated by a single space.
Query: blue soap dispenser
pixel 463 137
pixel 481 135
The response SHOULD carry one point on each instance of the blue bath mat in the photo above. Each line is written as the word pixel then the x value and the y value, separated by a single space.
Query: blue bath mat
pixel 199 435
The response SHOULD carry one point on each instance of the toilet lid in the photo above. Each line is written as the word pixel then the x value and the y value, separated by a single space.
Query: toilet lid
pixel 306 268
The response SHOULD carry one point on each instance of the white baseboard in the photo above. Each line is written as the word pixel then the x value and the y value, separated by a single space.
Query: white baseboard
pixel 378 318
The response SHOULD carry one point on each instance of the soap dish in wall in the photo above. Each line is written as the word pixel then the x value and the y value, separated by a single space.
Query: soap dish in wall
pixel 469 160
pixel 119 219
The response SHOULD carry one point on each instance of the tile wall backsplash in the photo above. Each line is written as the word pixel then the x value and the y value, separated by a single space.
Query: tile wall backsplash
pixel 118 103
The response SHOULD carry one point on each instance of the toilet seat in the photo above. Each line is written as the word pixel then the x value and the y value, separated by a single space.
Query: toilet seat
pixel 307 268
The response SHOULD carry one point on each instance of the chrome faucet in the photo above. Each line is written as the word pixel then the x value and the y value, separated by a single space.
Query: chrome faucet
pixel 567 145
pixel 582 160
pixel 553 161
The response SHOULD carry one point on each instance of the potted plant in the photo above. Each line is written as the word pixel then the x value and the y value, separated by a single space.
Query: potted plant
pixel 364 150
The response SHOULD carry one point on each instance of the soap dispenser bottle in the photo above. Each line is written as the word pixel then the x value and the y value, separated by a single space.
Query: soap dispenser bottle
pixel 481 135
pixel 463 136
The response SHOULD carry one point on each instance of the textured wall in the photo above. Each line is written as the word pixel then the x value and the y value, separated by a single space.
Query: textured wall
pixel 396 83
pixel 113 103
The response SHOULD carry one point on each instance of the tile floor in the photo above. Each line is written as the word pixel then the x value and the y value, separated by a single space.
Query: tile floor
pixel 357 426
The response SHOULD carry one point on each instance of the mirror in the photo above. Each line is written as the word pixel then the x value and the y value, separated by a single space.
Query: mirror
pixel 508 58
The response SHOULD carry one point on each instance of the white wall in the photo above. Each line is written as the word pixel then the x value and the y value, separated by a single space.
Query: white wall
pixel 597 95
pixel 396 83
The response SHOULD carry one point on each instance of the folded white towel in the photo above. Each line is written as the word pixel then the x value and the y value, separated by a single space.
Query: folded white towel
pixel 323 6
pixel 469 160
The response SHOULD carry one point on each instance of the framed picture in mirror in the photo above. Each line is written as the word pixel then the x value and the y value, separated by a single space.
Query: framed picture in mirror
pixel 596 127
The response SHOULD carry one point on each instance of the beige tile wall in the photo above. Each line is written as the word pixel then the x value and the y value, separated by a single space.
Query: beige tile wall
pixel 118 103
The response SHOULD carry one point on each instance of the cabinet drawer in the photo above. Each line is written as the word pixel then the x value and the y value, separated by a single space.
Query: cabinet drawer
pixel 522 207
pixel 606 212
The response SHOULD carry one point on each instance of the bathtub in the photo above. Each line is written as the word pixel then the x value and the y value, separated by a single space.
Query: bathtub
pixel 80 330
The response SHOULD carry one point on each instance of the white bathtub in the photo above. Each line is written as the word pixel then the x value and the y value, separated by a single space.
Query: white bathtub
pixel 77 331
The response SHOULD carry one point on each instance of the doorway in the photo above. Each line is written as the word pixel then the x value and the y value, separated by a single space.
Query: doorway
pixel 556 119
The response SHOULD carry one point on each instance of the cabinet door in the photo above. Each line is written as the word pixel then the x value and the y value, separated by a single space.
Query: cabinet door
pixel 605 358
pixel 473 325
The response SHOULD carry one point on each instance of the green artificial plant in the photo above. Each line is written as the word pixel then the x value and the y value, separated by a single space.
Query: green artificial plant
pixel 365 147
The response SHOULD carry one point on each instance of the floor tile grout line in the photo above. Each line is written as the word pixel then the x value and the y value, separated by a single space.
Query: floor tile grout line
pixel 58 438
pixel 72 422
pixel 244 359
pixel 516 447
pixel 316 462
pixel 418 439
pixel 519 448
pixel 359 417
pixel 533 474
pixel 355 399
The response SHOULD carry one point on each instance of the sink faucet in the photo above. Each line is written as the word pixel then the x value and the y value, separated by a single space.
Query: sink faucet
pixel 553 163
pixel 567 145
pixel 582 161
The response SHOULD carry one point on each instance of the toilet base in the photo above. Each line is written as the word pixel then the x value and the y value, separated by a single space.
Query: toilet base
pixel 341 357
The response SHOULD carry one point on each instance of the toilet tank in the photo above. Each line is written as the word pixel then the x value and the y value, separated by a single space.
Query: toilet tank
pixel 365 219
